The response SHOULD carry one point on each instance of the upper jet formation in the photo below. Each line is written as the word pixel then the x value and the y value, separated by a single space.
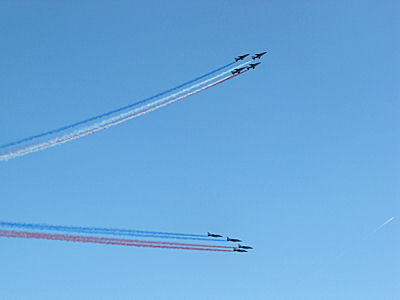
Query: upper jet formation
pixel 214 235
pixel 258 55
pixel 241 57
pixel 237 71
pixel 252 66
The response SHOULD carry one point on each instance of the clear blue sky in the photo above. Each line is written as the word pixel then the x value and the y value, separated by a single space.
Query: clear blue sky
pixel 300 157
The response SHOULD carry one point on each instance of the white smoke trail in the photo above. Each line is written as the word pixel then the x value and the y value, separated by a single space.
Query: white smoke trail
pixel 119 118
pixel 154 103
pixel 387 222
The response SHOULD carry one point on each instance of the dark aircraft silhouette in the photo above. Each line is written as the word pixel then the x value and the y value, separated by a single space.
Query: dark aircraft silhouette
pixel 232 240
pixel 252 66
pixel 241 57
pixel 244 247
pixel 239 250
pixel 214 235
pixel 238 70
pixel 258 55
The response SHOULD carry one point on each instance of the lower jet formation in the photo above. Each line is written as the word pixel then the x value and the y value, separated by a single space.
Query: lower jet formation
pixel 232 240
pixel 244 247
pixel 237 71
pixel 252 66
pixel 239 250
pixel 258 55
pixel 213 235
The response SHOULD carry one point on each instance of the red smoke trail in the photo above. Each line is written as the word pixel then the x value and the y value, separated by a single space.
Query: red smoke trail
pixel 162 243
pixel 107 241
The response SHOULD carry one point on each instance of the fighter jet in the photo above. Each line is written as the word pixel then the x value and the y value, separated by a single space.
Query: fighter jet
pixel 244 247
pixel 239 250
pixel 241 57
pixel 252 66
pixel 238 70
pixel 232 240
pixel 214 235
pixel 258 55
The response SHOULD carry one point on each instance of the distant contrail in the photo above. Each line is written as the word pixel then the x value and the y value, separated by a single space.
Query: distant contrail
pixel 387 222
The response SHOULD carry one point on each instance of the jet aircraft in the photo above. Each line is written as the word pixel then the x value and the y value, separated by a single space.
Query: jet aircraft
pixel 239 250
pixel 244 247
pixel 214 235
pixel 238 70
pixel 232 240
pixel 252 66
pixel 241 57
pixel 258 55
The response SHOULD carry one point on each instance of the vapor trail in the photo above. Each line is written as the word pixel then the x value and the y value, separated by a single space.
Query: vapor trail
pixel 116 110
pixel 387 222
pixel 118 119
pixel 109 231
pixel 163 243
pixel 107 241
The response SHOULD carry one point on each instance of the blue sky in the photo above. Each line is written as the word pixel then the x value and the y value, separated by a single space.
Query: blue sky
pixel 299 157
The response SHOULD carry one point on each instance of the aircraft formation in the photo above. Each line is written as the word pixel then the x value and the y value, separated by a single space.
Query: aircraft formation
pixel 239 248
pixel 250 66
pixel 86 127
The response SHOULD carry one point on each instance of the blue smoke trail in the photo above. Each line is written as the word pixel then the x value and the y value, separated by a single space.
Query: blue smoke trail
pixel 113 111
pixel 111 231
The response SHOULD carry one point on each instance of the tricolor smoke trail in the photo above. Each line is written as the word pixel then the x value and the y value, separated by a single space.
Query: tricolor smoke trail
pixel 112 241
pixel 100 235
pixel 61 135
pixel 109 231
pixel 116 110
pixel 108 123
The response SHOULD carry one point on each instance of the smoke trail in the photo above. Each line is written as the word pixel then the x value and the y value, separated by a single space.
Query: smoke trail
pixel 387 222
pixel 79 228
pixel 156 242
pixel 86 239
pixel 130 115
pixel 116 110
pixel 113 121
pixel 110 231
